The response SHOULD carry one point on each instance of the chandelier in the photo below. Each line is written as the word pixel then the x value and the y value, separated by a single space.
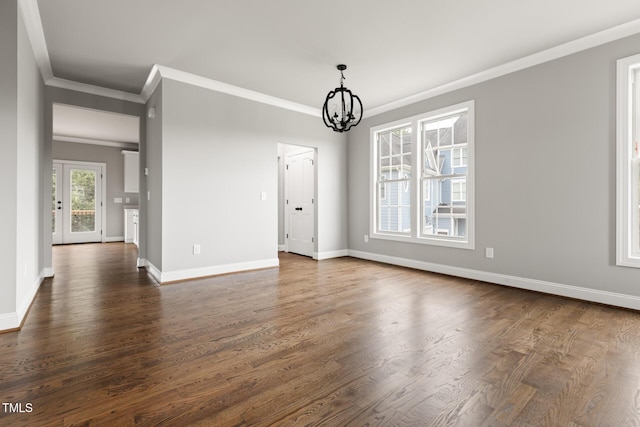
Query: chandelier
pixel 342 110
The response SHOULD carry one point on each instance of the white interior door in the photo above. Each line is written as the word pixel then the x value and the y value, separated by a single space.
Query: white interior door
pixel 300 198
pixel 77 203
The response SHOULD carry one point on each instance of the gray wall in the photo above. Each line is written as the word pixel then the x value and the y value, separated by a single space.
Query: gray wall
pixel 21 142
pixel 8 159
pixel 545 174
pixel 114 160
pixel 153 160
pixel 219 153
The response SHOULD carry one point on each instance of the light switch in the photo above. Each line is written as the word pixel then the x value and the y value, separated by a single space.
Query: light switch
pixel 117 200
pixel 263 195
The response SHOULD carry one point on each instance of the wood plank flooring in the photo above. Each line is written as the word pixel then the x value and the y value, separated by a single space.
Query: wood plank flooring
pixel 333 343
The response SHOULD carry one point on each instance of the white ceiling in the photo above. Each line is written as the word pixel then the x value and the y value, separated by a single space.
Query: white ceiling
pixel 289 48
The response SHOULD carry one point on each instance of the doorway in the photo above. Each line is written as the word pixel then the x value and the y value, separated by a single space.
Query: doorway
pixel 299 207
pixel 77 202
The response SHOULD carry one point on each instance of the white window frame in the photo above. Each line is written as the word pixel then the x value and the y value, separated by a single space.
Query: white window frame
pixel 628 165
pixel 415 235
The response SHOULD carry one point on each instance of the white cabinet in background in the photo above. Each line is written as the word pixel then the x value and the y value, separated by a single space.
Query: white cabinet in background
pixel 131 171
pixel 131 225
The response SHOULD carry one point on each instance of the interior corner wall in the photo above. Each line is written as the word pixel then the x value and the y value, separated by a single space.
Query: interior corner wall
pixel 545 178
pixel 219 153
pixel 8 160
pixel 153 160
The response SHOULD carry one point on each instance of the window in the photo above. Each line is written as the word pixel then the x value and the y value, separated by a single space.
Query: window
pixel 628 163
pixel 422 180
pixel 394 162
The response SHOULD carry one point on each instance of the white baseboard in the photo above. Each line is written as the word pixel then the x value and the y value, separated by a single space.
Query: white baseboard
pixel 587 294
pixel 114 239
pixel 13 320
pixel 9 321
pixel 141 262
pixel 153 270
pixel 330 254
pixel 194 273
pixel 282 248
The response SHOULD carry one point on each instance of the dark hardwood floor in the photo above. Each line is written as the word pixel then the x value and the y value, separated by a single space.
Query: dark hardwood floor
pixel 337 342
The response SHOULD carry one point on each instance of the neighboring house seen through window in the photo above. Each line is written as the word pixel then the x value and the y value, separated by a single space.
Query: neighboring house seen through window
pixel 432 153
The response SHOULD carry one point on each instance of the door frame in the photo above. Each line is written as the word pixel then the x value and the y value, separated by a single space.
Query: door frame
pixel 295 152
pixel 103 191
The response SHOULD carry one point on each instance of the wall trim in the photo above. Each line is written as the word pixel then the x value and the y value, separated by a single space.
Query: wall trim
pixel 114 239
pixel 214 270
pixel 218 86
pixel 9 322
pixel 330 254
pixel 78 140
pixel 33 24
pixel 559 289
pixel 556 52
pixel 13 321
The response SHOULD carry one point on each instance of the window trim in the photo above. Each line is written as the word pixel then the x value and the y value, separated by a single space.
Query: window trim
pixel 626 164
pixel 416 235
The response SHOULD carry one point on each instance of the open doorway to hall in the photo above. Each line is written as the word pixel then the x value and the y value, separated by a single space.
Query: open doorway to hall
pixel 94 174
pixel 297 198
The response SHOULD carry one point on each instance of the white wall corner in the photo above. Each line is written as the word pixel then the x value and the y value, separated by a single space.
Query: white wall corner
pixel 585 294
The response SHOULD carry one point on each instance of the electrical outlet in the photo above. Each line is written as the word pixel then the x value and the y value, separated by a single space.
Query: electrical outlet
pixel 196 249
pixel 488 252
pixel 366 238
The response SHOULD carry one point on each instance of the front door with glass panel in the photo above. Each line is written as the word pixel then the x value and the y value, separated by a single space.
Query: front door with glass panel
pixel 76 203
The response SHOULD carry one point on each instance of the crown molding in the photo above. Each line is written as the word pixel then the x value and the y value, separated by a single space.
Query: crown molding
pixel 94 90
pixel 566 49
pixel 159 72
pixel 33 24
pixel 79 140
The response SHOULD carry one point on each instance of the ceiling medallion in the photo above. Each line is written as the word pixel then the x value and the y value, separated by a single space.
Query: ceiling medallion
pixel 342 110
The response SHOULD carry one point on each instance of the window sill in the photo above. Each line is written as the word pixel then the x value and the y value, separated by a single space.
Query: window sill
pixel 432 241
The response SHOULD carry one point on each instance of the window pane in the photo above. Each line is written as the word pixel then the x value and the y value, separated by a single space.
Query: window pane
pixel 394 213
pixel 83 201
pixel 444 135
pixel 443 214
pixel 460 129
